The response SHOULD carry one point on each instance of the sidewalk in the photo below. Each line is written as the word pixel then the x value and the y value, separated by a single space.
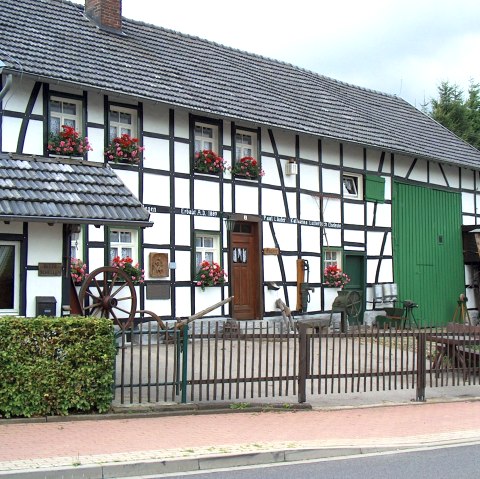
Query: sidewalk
pixel 129 445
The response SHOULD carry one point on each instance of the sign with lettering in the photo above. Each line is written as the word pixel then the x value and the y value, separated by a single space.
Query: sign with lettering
pixel 49 269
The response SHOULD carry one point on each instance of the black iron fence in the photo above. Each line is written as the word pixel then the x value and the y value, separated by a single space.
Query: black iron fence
pixel 217 361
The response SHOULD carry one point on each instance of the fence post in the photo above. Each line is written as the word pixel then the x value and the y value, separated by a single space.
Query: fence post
pixel 421 367
pixel 302 362
pixel 184 340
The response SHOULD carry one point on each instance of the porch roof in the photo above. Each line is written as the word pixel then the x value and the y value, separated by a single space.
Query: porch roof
pixel 66 191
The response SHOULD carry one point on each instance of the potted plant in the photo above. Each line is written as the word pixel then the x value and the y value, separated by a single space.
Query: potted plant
pixel 124 149
pixel 68 142
pixel 78 270
pixel 133 270
pixel 210 274
pixel 207 161
pixel 247 167
pixel 333 277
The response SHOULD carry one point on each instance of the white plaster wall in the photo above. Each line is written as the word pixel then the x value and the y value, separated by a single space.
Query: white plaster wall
pixel 10 133
pixel 329 295
pixel 206 195
pixel 43 286
pixel 271 268
pixel 159 233
pixel 161 307
pixel 332 210
pixel 206 223
pixel 467 179
pixel 204 299
pixel 374 242
pixel 315 265
pixel 371 270
pixel 353 236
pixel 130 180
pixel 227 156
pixel 309 177
pixel 468 220
pixel 266 143
pixel 330 181
pixel 468 205
pixel 386 271
pixel 315 300
pixel 436 176
pixel 267 236
pixel 182 193
pixel 309 147
pixel 227 137
pixel 310 209
pixel 285 141
pixel 182 158
pixel 310 239
pixel 156 153
pixel 290 264
pixel 96 259
pixel 227 197
pixel 34 138
pixel 353 213
pixel 352 156
pixel 155 118
pixel 156 189
pixel 453 175
pixel 96 233
pixel 272 177
pixel 19 94
pixel 330 152
pixel 182 230
pixel 401 165
pixel 383 217
pixel 183 301
pixel 420 172
pixel 332 237
pixel 388 188
pixel 14 228
pixel 95 108
pixel 286 235
pixel 246 200
pixel 373 160
pixel 181 124
pixel 184 265
pixel 292 204
pixel 95 138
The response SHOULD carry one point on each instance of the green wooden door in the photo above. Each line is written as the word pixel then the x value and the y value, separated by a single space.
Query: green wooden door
pixel 427 250
pixel 354 267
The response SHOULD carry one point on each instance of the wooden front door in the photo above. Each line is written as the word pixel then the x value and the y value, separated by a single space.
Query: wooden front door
pixel 244 257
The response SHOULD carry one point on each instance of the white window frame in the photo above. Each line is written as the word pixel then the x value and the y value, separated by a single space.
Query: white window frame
pixel 202 141
pixel 16 278
pixel 241 148
pixel 214 249
pixel 76 245
pixel 64 117
pixel 328 259
pixel 121 127
pixel 352 186
pixel 118 245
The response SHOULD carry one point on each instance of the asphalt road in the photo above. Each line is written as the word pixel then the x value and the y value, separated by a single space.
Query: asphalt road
pixel 457 462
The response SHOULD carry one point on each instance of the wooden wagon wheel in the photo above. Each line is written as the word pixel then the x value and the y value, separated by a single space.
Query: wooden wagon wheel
pixel 353 304
pixel 108 292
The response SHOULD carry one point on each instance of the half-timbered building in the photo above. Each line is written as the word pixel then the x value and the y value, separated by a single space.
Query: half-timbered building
pixel 353 177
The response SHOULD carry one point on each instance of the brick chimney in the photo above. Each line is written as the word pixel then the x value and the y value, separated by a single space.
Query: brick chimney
pixel 107 14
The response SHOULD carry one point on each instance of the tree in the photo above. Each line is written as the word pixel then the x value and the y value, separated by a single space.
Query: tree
pixel 459 115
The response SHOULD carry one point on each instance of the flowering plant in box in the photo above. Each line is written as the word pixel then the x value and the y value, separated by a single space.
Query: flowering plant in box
pixel 334 278
pixel 78 270
pixel 124 149
pixel 207 161
pixel 210 274
pixel 134 271
pixel 68 142
pixel 247 166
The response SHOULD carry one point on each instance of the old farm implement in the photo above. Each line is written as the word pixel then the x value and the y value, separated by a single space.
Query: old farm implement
pixel 109 292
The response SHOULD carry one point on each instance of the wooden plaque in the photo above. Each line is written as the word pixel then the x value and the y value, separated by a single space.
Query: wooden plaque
pixel 158 265
pixel 49 269
pixel 271 251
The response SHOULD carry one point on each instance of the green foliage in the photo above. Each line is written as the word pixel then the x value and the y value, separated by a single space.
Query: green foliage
pixel 55 365
pixel 459 115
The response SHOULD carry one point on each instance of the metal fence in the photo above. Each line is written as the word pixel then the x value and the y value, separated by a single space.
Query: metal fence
pixel 206 361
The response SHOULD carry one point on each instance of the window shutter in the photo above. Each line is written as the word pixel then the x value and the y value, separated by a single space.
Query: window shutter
pixel 375 188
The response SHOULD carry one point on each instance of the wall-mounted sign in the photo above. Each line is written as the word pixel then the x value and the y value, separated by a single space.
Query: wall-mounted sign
pixel 49 269
pixel 158 265
pixel 271 251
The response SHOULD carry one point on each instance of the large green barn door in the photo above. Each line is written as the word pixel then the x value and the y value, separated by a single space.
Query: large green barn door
pixel 427 250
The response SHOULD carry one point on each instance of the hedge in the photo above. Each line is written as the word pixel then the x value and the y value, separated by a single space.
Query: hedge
pixel 55 366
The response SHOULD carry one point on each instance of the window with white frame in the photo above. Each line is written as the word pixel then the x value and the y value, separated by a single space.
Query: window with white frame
pixel 207 248
pixel 352 186
pixel 123 243
pixel 9 276
pixel 76 248
pixel 245 144
pixel 332 257
pixel 66 112
pixel 122 121
pixel 206 137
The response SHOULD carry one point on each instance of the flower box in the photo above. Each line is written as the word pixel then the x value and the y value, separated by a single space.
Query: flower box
pixel 247 167
pixel 210 274
pixel 68 143
pixel 124 149
pixel 207 161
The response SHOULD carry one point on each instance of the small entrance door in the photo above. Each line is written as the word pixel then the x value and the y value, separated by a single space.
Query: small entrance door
pixel 9 276
pixel 245 270
pixel 354 267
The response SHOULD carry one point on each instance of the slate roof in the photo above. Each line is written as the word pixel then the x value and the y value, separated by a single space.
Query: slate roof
pixel 65 191
pixel 52 39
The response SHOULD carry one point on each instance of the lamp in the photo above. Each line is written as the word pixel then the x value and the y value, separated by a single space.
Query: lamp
pixel 229 222
pixel 291 168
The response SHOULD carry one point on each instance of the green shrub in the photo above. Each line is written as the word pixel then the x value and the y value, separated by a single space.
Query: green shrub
pixel 55 365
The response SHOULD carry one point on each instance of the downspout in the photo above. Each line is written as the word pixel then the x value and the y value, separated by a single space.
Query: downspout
pixel 7 86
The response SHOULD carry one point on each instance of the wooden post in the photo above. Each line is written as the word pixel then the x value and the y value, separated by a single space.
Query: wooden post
pixel 300 280
pixel 302 362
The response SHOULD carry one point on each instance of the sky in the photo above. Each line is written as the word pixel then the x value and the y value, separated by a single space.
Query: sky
pixel 401 47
